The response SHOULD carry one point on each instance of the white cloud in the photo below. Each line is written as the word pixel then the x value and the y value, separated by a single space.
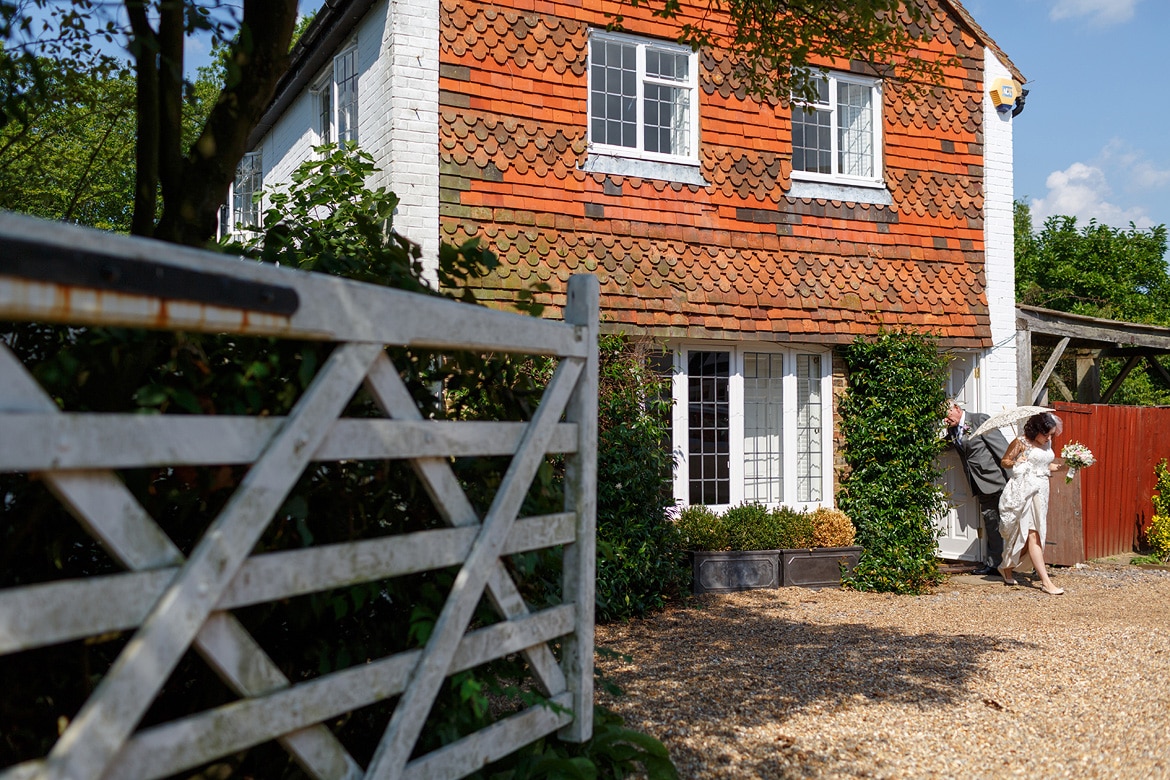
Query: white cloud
pixel 1082 191
pixel 1103 12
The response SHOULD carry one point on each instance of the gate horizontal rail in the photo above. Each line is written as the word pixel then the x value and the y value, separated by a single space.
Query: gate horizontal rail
pixel 174 602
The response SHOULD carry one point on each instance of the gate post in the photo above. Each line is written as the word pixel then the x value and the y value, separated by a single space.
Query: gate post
pixel 578 585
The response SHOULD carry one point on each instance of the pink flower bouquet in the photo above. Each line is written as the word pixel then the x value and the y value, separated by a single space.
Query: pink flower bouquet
pixel 1076 456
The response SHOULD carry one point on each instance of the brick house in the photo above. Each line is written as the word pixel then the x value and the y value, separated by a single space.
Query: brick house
pixel 750 238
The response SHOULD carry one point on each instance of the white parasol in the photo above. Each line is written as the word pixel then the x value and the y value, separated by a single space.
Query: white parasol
pixel 1009 417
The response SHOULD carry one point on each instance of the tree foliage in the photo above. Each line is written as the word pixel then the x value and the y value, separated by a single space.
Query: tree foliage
pixel 778 46
pixel 1097 271
pixel 180 180
pixel 890 420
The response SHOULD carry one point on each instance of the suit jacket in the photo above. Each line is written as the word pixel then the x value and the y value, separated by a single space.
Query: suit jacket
pixel 981 456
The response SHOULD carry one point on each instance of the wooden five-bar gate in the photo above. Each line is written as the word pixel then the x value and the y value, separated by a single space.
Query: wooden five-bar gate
pixel 172 602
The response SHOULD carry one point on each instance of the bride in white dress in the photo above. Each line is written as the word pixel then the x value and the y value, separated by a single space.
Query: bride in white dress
pixel 1023 506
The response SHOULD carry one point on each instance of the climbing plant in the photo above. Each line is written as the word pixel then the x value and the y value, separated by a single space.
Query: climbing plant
pixel 890 420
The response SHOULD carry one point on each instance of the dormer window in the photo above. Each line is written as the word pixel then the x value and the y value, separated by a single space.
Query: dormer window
pixel 837 137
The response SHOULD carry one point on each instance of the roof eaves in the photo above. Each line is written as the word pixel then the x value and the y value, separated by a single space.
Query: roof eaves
pixel 981 35
pixel 335 20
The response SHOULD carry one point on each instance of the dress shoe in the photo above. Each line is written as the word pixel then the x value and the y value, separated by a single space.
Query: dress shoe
pixel 983 570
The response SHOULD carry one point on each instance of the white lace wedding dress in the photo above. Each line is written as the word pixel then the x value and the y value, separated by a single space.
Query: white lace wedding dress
pixel 1023 505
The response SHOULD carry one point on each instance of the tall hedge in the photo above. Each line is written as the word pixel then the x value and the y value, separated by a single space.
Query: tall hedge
pixel 639 567
pixel 890 420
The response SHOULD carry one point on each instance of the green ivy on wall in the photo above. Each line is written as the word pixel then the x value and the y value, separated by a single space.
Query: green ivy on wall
pixel 890 420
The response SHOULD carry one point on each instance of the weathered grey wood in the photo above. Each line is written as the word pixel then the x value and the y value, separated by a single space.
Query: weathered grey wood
pixel 109 716
pixel 182 744
pixel 389 392
pixel 1053 359
pixel 492 743
pixel 179 604
pixel 117 441
pixel 405 724
pixel 1024 394
pixel 1091 329
pixel 39 615
pixel 104 506
pixel 1156 364
pixel 1061 387
pixel 331 308
pixel 581 498
pixel 1130 364
pixel 1088 377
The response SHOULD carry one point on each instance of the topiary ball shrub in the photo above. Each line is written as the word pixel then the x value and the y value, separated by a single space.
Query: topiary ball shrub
pixel 699 528
pixel 832 528
pixel 794 528
pixel 752 526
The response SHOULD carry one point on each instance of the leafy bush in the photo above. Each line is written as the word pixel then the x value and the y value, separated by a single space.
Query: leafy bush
pixel 751 526
pixel 890 420
pixel 699 528
pixel 1158 533
pixel 639 563
pixel 832 528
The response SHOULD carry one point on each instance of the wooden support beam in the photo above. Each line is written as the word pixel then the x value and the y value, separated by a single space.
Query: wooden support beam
pixel 1088 377
pixel 1023 366
pixel 1061 387
pixel 1129 366
pixel 1053 359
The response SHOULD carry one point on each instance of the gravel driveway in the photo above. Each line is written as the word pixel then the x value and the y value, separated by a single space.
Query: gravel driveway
pixel 974 680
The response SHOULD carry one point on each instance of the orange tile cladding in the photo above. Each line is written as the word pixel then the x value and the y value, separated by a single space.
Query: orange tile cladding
pixel 737 257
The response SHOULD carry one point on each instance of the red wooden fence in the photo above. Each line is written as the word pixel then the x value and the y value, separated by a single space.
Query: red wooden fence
pixel 1115 493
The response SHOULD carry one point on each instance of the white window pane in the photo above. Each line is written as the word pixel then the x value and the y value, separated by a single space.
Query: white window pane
pixel 708 427
pixel 346 84
pixel 763 427
pixel 855 130
pixel 809 431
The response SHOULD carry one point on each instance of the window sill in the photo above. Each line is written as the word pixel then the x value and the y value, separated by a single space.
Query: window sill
pixel 644 169
pixel 851 193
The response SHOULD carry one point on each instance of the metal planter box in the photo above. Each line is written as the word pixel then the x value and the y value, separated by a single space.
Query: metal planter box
pixel 817 568
pixel 724 572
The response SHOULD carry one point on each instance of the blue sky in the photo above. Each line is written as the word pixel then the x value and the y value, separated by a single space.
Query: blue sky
pixel 1092 140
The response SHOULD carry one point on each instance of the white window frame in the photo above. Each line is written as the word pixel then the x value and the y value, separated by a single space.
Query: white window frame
pixel 251 165
pixel 736 397
pixel 834 80
pixel 690 155
pixel 327 97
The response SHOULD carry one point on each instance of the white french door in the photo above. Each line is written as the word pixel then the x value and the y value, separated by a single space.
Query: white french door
pixel 958 526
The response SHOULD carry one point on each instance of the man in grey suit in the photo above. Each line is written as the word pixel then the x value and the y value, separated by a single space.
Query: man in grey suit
pixel 981 456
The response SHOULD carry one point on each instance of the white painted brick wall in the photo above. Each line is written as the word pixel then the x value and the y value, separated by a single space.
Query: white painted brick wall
pixel 398 117
pixel 998 365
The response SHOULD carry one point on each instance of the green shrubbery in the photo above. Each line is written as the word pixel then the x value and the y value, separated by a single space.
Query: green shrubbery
pixel 1158 532
pixel 890 420
pixel 753 526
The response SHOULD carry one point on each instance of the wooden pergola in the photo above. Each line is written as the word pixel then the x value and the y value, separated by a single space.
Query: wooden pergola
pixel 1085 340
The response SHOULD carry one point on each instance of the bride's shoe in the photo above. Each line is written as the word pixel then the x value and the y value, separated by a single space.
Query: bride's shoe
pixel 1006 579
pixel 1055 591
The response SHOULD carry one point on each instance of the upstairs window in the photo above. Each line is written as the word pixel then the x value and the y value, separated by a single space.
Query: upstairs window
pixel 643 98
pixel 837 136
pixel 244 211
pixel 337 100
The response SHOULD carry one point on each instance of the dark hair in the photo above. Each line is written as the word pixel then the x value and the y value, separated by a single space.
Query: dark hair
pixel 1038 424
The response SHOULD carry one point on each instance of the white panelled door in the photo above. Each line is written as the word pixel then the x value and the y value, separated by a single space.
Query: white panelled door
pixel 959 525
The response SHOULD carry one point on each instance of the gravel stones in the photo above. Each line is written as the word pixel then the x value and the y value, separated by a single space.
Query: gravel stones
pixel 975 679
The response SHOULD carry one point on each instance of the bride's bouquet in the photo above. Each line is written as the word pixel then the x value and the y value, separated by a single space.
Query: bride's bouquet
pixel 1076 456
